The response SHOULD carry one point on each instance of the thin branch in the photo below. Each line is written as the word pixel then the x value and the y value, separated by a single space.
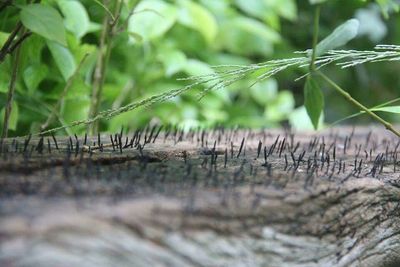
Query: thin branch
pixel 5 48
pixel 19 42
pixel 10 94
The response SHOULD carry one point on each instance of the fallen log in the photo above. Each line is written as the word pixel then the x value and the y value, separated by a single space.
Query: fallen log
pixel 219 198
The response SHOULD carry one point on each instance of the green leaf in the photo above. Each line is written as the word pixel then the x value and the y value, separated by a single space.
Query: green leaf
pixel 173 60
pixel 13 120
pixel 255 8
pixel 150 25
pixel 371 23
pixel 313 2
pixel 264 92
pixel 246 36
pixel 269 10
pixel 339 37
pixel 195 67
pixel 45 21
pixel 76 109
pixel 387 6
pixel 33 75
pixel 79 89
pixel 105 9
pixel 137 37
pixel 94 27
pixel 299 119
pixel 3 38
pixel 63 58
pixel 31 51
pixel 390 109
pixel 3 87
pixel 280 108
pixel 5 74
pixel 286 9
pixel 197 17
pixel 76 18
pixel 313 100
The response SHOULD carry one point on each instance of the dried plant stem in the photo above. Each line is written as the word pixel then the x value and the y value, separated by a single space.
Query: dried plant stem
pixel 10 95
pixel 346 95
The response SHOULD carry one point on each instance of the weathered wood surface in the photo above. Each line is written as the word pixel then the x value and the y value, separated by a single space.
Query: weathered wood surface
pixel 176 202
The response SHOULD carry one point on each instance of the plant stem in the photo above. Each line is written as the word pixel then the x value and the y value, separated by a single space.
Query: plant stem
pixel 19 42
pixel 10 95
pixel 5 49
pixel 124 25
pixel 315 37
pixel 363 112
pixel 346 95
pixel 8 46
pixel 109 25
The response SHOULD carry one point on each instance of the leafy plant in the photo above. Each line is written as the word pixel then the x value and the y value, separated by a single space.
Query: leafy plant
pixel 313 98
pixel 80 57
pixel 136 49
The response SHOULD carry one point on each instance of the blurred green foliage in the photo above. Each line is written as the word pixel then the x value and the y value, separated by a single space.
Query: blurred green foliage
pixel 160 41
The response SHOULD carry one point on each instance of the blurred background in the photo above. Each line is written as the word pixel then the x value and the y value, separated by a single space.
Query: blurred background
pixel 164 41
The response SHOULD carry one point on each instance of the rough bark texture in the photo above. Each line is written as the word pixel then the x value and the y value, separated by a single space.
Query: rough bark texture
pixel 331 200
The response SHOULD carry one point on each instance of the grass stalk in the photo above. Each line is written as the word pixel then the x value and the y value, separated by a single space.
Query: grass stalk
pixel 349 98
pixel 363 112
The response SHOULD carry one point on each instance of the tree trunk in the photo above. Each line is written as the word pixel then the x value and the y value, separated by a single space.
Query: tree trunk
pixel 203 199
